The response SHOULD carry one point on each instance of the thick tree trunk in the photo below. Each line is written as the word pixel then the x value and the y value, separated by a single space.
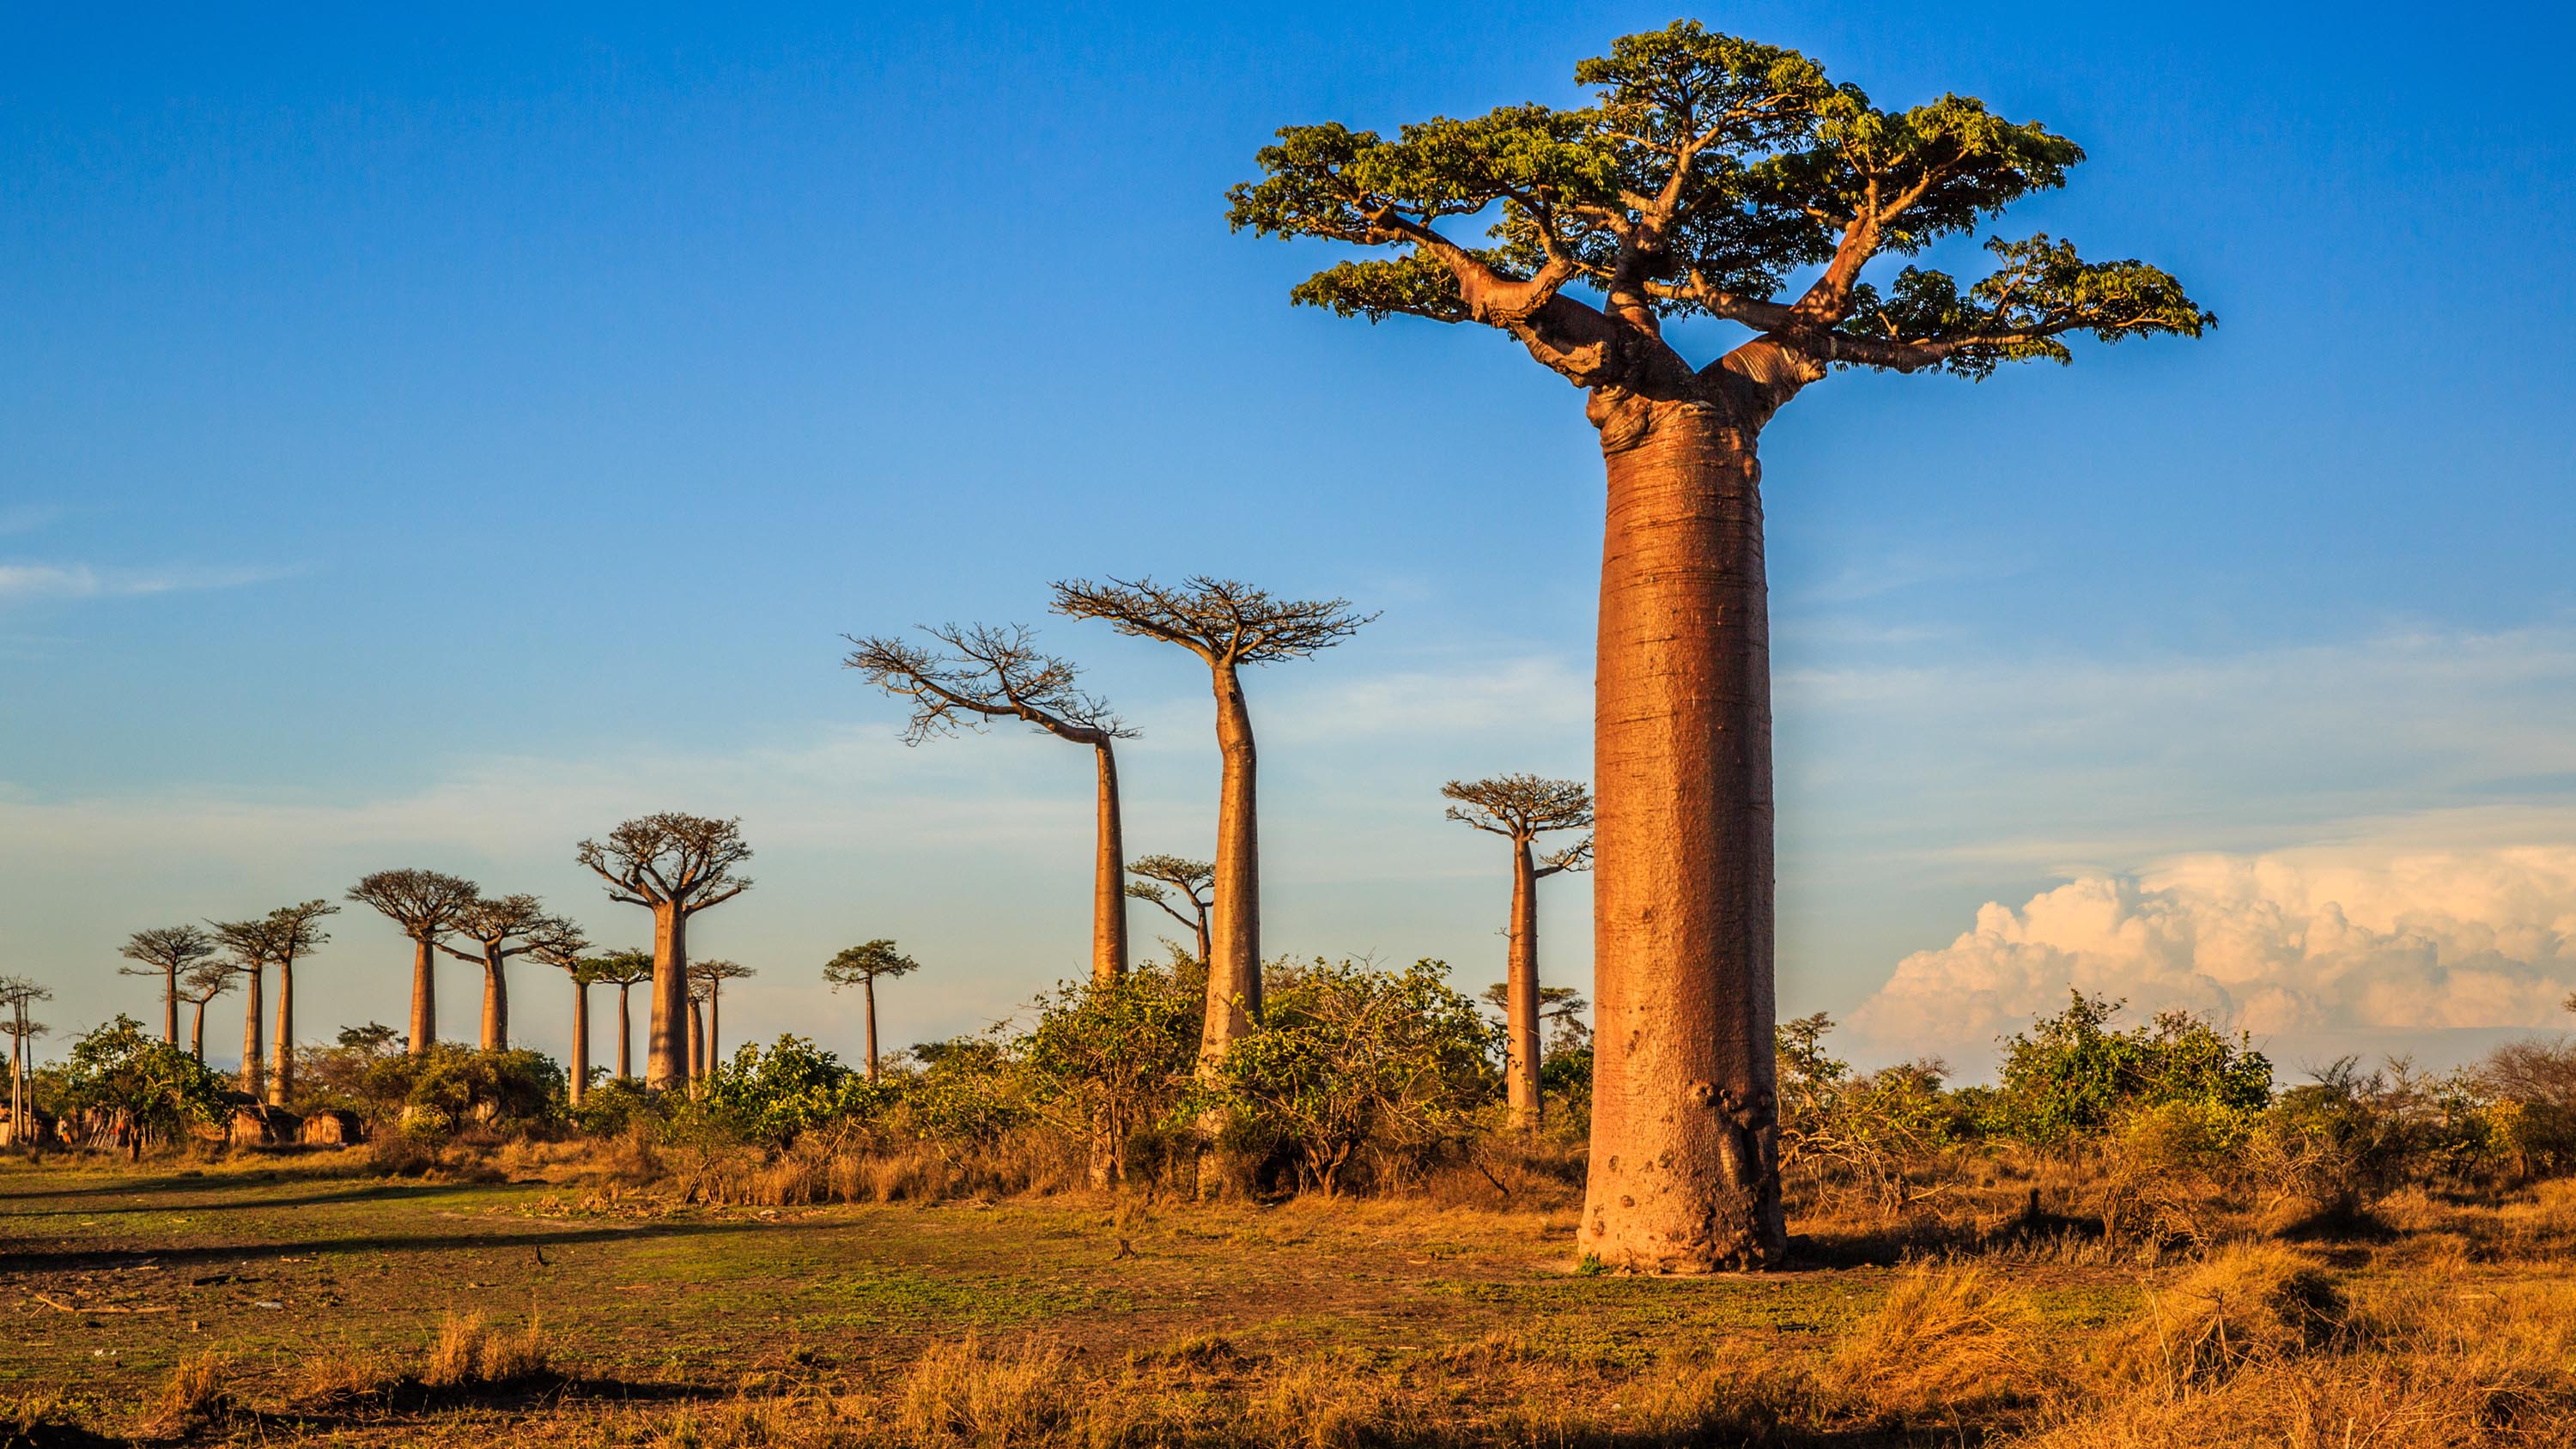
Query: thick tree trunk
pixel 282 1081
pixel 170 1005
pixel 1203 936
pixel 666 1047
pixel 625 1034
pixel 252 1063
pixel 580 1083
pixel 1520 992
pixel 496 1003
pixel 424 995
pixel 868 990
pixel 1234 959
pixel 1685 1152
pixel 1109 877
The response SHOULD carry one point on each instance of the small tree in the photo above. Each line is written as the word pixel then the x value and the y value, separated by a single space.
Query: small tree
pixel 988 673
pixel 168 952
pixel 674 865
pixel 204 982
pixel 149 1089
pixel 1165 876
pixel 861 966
pixel 425 905
pixel 1228 625
pixel 1106 1057
pixel 1520 808
pixel 624 970
pixel 710 976
pixel 502 927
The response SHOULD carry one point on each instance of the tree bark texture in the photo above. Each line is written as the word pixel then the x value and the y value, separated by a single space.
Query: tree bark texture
pixel 697 1042
pixel 282 1081
pixel 197 1033
pixel 1234 928
pixel 715 1031
pixel 1109 877
pixel 1520 992
pixel 170 1005
pixel 424 995
pixel 625 1034
pixel 1685 1153
pixel 868 991
pixel 666 1048
pixel 496 1005
pixel 580 1085
pixel 251 1063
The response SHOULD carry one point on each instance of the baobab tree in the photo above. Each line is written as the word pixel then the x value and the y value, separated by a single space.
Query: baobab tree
pixel 248 948
pixel 710 976
pixel 204 982
pixel 424 903
pixel 168 952
pixel 1707 172
pixel 1520 808
pixel 674 865
pixel 861 966
pixel 17 993
pixel 988 673
pixel 623 970
pixel 1228 625
pixel 564 953
pixel 292 933
pixel 499 928
pixel 1167 875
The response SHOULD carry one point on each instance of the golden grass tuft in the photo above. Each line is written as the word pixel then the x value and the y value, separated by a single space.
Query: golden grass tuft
pixel 2249 1304
pixel 1942 1339
pixel 195 1394
pixel 963 1393
pixel 470 1354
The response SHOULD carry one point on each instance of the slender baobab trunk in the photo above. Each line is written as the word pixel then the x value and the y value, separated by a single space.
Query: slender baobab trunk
pixel 424 995
pixel 1109 878
pixel 715 1030
pixel 1234 962
pixel 1520 991
pixel 282 1081
pixel 170 1005
pixel 697 1042
pixel 625 1034
pixel 251 1047
pixel 1685 1138
pixel 666 1045
pixel 197 1033
pixel 496 1005
pixel 868 992
pixel 580 1040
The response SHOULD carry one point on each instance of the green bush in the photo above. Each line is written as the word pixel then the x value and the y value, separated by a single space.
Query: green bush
pixel 1107 1061
pixel 157 1088
pixel 774 1097
pixel 450 1086
pixel 2071 1076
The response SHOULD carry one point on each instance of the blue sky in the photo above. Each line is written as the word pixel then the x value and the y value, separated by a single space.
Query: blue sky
pixel 432 445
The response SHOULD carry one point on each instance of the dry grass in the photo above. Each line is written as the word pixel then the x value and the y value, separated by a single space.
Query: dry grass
pixel 2247 1305
pixel 1946 1339
pixel 196 1394
pixel 469 1354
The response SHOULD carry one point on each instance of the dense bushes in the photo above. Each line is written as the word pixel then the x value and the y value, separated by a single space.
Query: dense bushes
pixel 141 1088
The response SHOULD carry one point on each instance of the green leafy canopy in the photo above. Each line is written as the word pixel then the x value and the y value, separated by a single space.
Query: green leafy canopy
pixel 1708 171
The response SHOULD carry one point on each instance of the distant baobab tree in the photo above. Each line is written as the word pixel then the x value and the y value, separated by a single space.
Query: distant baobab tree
pixel 1228 625
pixel 168 952
pixel 1520 808
pixel 623 970
pixel 711 976
pixel 247 950
pixel 861 966
pixel 999 673
pixel 1706 173
pixel 1165 875
pixel 204 982
pixel 277 939
pixel 425 904
pixel 565 954
pixel 697 1032
pixel 501 927
pixel 16 994
pixel 674 865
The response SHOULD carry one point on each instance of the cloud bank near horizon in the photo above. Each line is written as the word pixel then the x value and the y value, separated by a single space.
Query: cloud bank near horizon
pixel 2388 934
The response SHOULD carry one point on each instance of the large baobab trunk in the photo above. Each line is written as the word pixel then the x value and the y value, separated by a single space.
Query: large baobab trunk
pixel 282 1081
pixel 666 1046
pixel 868 993
pixel 1234 961
pixel 496 1007
pixel 1109 878
pixel 580 1083
pixel 424 995
pixel 625 1035
pixel 251 1062
pixel 1520 992
pixel 1685 1151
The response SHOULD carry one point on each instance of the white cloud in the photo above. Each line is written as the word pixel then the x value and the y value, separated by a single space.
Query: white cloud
pixel 2407 929
pixel 80 581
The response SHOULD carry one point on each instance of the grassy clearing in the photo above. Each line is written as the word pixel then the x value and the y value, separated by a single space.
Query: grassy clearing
pixel 287 1300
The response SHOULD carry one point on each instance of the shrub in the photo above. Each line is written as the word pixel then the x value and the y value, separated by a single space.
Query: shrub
pixel 448 1086
pixel 1876 1131
pixel 777 1096
pixel 1348 1057
pixel 155 1088
pixel 2071 1076
pixel 1108 1058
